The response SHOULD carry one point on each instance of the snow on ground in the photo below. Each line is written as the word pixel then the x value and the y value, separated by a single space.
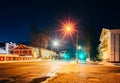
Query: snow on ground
pixel 107 63
pixel 73 77
pixel 73 73
pixel 65 72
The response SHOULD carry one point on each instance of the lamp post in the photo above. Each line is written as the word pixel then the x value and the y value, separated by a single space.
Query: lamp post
pixel 68 27
pixel 77 47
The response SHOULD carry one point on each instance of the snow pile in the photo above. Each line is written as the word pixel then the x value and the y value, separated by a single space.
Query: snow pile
pixel 79 78
pixel 106 63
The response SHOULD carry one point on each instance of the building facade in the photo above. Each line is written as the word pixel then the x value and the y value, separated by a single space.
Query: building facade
pixel 13 52
pixel 5 51
pixel 47 54
pixel 109 47
pixel 24 52
pixel 6 47
pixel 9 57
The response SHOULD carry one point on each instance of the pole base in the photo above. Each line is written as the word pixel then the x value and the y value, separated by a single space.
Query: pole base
pixel 76 60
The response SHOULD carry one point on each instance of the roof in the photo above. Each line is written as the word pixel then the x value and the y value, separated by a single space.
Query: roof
pixel 115 30
pixel 21 46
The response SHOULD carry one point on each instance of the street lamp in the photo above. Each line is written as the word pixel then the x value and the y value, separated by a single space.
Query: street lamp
pixel 55 44
pixel 68 29
pixel 79 47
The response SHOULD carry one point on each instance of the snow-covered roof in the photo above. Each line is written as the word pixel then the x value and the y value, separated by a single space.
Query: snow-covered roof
pixel 2 50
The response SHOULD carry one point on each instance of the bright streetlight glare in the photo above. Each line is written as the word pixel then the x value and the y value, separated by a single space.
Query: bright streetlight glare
pixel 68 28
pixel 55 43
pixel 79 47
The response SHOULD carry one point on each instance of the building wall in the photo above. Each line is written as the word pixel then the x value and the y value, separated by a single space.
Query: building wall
pixel 47 54
pixel 112 48
pixel 22 51
pixel 111 40
pixel 36 53
pixel 9 46
pixel 6 47
pixel 13 57
pixel 115 47
pixel 109 46
pixel 104 45
pixel 8 57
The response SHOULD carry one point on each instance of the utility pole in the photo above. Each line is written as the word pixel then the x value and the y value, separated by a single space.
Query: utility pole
pixel 77 47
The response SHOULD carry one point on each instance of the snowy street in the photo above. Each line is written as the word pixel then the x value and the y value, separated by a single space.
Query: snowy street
pixel 39 71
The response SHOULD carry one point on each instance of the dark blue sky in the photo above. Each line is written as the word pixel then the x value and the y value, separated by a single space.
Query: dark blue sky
pixel 17 16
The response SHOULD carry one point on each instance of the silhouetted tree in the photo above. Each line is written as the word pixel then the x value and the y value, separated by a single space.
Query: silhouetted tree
pixel 90 41
pixel 39 39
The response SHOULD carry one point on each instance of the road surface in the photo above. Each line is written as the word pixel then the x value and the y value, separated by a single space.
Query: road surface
pixel 38 71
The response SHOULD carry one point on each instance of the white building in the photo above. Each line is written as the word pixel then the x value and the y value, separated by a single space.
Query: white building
pixel 6 47
pixel 109 47
pixel 47 54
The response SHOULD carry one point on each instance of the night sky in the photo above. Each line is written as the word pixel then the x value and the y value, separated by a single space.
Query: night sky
pixel 17 16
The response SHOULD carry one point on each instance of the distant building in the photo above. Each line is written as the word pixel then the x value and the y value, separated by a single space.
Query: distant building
pixel 11 51
pixel 10 46
pixel 5 51
pixel 109 47
pixel 43 53
pixel 36 52
pixel 47 54
pixel 6 47
pixel 23 51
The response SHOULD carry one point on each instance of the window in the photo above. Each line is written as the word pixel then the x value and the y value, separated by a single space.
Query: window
pixel 30 52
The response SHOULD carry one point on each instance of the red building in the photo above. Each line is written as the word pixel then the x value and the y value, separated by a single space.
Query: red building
pixel 24 52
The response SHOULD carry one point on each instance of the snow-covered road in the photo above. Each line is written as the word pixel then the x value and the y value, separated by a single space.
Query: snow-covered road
pixel 38 71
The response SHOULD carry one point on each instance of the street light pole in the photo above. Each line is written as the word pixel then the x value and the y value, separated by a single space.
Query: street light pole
pixel 77 47
pixel 68 28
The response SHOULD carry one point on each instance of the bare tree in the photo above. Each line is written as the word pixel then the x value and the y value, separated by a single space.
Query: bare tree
pixel 87 47
pixel 40 40
pixel 86 40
